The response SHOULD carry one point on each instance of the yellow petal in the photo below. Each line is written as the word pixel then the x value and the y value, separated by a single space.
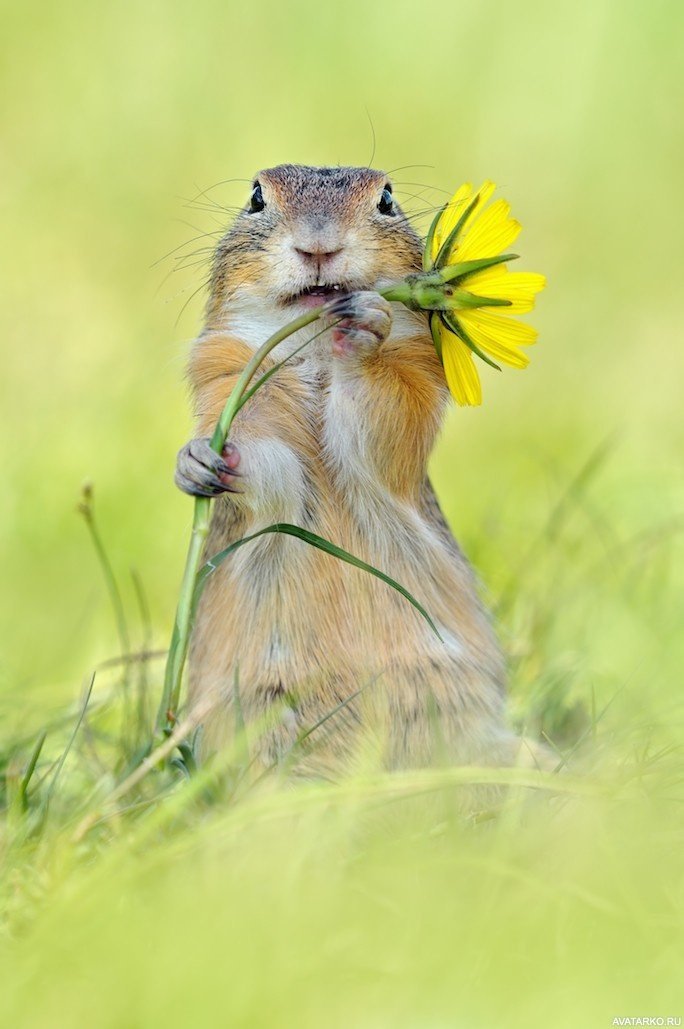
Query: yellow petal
pixel 518 287
pixel 452 213
pixel 484 194
pixel 457 205
pixel 490 234
pixel 459 368
pixel 499 336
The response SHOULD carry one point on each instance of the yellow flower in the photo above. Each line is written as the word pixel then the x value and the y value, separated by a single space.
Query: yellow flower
pixel 469 231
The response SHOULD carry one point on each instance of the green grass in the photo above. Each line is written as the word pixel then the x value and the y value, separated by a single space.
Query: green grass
pixel 219 897
pixel 215 900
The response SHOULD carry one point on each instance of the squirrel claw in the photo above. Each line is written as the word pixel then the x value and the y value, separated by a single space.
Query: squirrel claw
pixel 201 472
pixel 362 321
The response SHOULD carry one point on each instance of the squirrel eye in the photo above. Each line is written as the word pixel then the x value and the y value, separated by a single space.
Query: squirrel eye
pixel 257 202
pixel 386 204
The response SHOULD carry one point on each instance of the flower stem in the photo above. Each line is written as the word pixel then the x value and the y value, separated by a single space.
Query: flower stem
pixel 166 716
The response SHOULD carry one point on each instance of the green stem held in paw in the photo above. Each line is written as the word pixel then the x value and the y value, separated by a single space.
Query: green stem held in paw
pixel 178 650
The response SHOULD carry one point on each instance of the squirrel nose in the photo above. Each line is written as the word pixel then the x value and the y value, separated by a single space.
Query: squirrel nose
pixel 318 256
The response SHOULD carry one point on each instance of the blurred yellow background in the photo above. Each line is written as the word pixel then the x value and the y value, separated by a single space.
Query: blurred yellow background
pixel 116 118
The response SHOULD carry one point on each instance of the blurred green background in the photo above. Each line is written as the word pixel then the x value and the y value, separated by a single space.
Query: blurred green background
pixel 116 117
pixel 128 132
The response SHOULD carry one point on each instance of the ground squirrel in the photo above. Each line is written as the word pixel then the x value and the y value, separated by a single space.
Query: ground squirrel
pixel 337 442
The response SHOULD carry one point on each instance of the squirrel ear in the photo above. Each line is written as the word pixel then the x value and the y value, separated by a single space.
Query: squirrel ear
pixel 256 201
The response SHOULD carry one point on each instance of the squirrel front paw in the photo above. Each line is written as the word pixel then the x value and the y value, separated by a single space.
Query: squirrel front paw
pixel 361 322
pixel 201 472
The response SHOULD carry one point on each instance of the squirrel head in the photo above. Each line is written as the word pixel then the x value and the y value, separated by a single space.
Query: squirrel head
pixel 308 233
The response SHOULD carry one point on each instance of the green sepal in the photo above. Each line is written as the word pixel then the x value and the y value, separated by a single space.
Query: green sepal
pixel 402 292
pixel 453 325
pixel 448 243
pixel 462 298
pixel 427 260
pixel 460 269
pixel 435 336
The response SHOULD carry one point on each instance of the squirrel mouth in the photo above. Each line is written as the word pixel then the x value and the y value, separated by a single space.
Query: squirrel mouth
pixel 316 296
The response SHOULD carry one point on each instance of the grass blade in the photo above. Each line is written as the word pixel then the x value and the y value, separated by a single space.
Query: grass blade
pixel 321 544
pixel 65 752
pixel 22 795
pixel 86 509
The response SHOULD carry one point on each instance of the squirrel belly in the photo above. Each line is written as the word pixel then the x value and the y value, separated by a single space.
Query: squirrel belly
pixel 337 442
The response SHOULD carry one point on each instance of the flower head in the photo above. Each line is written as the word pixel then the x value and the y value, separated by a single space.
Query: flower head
pixel 466 245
